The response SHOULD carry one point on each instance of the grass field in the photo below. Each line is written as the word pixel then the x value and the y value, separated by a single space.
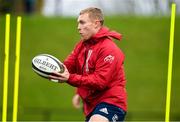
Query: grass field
pixel 145 45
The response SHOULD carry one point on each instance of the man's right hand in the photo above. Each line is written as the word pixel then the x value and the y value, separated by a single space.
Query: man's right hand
pixel 76 101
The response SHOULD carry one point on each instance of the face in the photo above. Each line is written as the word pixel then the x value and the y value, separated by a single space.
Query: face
pixel 86 27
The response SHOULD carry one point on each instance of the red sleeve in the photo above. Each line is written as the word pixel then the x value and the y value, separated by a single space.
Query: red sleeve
pixel 70 61
pixel 107 61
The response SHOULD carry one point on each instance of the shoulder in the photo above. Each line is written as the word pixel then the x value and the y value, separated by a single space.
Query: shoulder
pixel 109 44
pixel 108 47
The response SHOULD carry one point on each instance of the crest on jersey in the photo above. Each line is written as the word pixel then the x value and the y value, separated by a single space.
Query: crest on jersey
pixel 109 59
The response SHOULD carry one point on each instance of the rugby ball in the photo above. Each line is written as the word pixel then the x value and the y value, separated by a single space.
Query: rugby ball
pixel 45 64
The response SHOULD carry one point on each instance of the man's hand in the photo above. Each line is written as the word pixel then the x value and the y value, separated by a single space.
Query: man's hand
pixel 76 101
pixel 61 77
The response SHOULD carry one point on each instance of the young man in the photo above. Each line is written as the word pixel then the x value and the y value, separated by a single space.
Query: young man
pixel 95 67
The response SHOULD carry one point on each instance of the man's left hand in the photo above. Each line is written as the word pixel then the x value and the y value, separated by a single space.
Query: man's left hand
pixel 61 77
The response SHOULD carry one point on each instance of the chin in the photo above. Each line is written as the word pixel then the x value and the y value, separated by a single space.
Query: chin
pixel 84 39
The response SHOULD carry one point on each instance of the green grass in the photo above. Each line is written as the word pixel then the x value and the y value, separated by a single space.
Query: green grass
pixel 145 44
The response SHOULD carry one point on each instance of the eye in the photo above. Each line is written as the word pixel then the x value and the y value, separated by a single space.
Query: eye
pixel 81 22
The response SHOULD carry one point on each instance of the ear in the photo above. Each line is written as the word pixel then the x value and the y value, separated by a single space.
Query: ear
pixel 97 23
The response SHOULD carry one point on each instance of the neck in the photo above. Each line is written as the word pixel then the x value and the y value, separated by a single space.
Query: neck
pixel 97 30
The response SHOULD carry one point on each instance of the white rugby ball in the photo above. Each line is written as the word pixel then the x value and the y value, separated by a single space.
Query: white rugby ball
pixel 45 64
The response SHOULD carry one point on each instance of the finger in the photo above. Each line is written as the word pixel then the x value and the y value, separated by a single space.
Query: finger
pixel 65 68
pixel 53 77
pixel 56 74
pixel 57 78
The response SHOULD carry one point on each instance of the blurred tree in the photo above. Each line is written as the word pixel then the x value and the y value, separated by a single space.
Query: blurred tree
pixel 29 6
pixel 20 6
pixel 6 6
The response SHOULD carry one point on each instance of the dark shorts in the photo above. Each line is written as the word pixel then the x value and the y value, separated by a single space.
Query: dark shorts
pixel 111 112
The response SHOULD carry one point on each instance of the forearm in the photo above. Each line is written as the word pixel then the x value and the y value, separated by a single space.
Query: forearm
pixel 93 81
